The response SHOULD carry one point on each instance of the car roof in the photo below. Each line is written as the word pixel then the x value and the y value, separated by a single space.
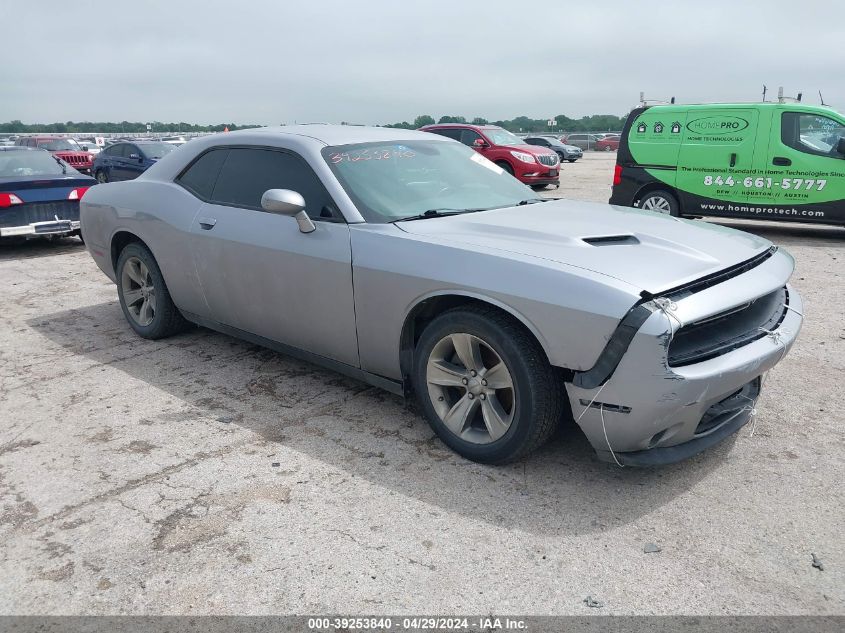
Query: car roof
pixel 462 125
pixel 20 148
pixel 327 134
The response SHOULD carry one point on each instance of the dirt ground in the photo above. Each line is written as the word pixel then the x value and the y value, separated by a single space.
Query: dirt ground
pixel 201 474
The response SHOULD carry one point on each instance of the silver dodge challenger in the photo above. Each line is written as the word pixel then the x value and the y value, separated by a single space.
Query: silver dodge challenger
pixel 411 262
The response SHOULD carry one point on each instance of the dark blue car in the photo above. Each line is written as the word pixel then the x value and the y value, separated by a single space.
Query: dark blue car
pixel 128 160
pixel 39 194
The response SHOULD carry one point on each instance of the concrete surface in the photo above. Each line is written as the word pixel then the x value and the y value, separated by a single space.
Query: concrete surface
pixel 205 475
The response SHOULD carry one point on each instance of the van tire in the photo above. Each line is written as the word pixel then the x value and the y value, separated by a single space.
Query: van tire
pixel 660 202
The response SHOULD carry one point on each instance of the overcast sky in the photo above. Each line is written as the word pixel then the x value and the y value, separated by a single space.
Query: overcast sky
pixel 380 61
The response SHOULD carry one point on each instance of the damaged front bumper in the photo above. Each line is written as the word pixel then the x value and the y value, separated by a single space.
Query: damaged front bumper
pixel 648 412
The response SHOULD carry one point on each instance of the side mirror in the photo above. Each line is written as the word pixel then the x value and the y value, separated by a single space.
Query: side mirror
pixel 287 202
pixel 84 148
pixel 480 143
pixel 840 145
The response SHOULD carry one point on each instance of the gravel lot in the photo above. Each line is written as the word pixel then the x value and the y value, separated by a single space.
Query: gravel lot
pixel 205 475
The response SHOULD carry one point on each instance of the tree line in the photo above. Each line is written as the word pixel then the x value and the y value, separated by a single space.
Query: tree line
pixel 124 127
pixel 592 123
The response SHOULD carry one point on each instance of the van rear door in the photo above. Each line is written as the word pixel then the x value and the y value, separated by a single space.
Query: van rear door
pixel 716 160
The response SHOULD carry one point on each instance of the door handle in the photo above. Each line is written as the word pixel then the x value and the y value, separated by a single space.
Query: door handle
pixel 782 161
pixel 207 223
pixel 733 160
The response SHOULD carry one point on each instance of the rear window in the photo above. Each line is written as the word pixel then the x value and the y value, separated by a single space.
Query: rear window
pixel 32 163
pixel 200 177
pixel 156 150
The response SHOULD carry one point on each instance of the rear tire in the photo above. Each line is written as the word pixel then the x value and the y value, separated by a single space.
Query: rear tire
pixel 571 160
pixel 143 295
pixel 660 202
pixel 491 421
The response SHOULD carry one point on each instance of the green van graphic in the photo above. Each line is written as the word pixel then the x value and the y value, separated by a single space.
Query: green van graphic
pixel 770 161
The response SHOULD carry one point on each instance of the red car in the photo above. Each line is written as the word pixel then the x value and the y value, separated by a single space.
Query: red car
pixel 607 144
pixel 62 148
pixel 531 164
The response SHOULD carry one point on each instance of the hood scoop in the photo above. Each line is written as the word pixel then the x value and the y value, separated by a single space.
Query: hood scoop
pixel 611 240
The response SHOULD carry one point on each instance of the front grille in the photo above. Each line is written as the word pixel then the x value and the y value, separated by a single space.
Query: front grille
pixel 21 215
pixel 726 331
pixel 739 402
pixel 547 159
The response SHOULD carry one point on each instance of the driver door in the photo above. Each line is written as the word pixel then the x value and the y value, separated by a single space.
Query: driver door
pixel 258 272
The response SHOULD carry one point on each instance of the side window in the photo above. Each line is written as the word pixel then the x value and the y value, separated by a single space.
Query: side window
pixel 468 137
pixel 199 178
pixel 247 173
pixel 449 132
pixel 811 133
pixel 128 150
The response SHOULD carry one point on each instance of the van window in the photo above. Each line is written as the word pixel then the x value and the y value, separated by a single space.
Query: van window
pixel 811 133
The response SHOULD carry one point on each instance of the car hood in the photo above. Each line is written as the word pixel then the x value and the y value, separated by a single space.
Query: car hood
pixel 532 149
pixel 648 250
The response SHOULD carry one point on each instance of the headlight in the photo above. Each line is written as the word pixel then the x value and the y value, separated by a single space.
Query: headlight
pixel 525 158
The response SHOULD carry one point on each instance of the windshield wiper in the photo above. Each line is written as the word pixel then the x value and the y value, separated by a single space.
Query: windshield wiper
pixel 522 203
pixel 61 164
pixel 437 213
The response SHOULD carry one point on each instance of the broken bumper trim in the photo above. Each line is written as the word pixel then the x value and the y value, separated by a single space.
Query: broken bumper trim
pixel 671 454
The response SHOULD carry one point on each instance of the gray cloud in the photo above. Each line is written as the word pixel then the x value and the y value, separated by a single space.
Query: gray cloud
pixel 378 61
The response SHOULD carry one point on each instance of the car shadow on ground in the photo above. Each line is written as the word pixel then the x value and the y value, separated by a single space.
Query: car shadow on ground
pixel 11 248
pixel 366 432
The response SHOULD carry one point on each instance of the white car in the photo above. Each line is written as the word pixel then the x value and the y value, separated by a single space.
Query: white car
pixel 86 145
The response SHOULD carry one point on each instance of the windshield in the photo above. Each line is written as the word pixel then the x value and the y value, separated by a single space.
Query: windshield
pixel 156 150
pixel 502 137
pixel 32 163
pixel 392 181
pixel 58 145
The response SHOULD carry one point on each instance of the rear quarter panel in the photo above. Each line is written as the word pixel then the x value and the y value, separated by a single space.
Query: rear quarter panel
pixel 160 215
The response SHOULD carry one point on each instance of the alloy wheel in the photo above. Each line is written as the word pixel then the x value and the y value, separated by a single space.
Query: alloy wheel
pixel 658 204
pixel 139 293
pixel 471 388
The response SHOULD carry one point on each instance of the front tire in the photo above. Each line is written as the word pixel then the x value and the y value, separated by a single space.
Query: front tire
pixel 143 295
pixel 485 385
pixel 571 160
pixel 505 166
pixel 660 202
